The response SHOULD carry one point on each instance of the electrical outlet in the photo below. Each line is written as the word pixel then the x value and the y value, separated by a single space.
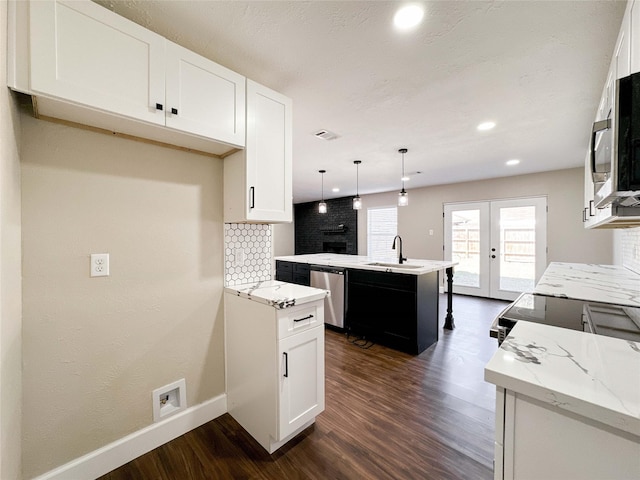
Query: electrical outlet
pixel 99 264
pixel 240 257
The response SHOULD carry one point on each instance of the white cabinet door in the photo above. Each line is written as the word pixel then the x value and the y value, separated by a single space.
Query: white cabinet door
pixel 622 51
pixel 203 97
pixel 86 54
pixel 268 155
pixel 572 446
pixel 634 39
pixel 301 390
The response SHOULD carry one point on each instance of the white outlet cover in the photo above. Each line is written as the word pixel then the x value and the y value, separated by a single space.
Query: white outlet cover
pixel 99 265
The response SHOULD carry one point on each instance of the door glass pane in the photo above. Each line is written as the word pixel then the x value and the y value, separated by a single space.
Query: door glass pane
pixel 465 247
pixel 517 248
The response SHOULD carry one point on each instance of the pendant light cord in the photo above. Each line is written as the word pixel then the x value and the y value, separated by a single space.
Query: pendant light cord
pixel 322 172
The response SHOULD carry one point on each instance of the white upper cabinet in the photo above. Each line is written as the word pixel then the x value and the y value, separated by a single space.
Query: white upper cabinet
pixel 269 144
pixel 83 53
pixel 91 66
pixel 258 179
pixel 621 61
pixel 203 97
pixel 634 41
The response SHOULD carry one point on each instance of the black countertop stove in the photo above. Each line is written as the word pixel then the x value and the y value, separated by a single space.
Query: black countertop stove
pixel 599 318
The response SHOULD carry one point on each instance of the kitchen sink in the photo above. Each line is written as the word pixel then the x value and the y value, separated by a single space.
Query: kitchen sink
pixel 393 265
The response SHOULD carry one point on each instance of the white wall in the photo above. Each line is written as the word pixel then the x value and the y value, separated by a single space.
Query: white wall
pixel 627 248
pixel 284 240
pixel 95 348
pixel 10 284
pixel 567 239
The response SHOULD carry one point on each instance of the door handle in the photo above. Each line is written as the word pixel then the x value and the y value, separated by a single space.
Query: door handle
pixel 303 318
pixel 597 127
pixel 174 111
pixel 252 197
pixel 159 106
pixel 286 364
pixel 493 256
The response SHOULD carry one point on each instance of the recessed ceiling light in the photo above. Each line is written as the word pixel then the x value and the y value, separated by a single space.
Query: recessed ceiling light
pixel 484 126
pixel 515 161
pixel 335 189
pixel 408 17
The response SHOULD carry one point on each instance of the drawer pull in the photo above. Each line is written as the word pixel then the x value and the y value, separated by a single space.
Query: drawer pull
pixel 303 318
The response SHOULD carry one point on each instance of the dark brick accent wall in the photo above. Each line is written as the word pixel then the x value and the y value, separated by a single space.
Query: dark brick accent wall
pixel 316 233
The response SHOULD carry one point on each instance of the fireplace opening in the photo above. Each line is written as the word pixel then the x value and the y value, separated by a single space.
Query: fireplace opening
pixel 334 247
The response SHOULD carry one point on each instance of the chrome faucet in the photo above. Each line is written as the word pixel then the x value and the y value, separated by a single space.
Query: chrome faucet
pixel 393 247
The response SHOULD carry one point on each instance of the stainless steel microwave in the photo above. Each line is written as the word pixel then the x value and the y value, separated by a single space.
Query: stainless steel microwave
pixel 615 148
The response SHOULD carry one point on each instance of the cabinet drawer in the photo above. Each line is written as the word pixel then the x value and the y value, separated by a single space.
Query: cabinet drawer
pixel 300 318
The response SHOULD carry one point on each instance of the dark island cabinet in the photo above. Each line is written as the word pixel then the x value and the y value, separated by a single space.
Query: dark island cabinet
pixel 293 272
pixel 394 309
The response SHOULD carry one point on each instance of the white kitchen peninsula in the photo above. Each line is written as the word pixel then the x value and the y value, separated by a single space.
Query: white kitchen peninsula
pixel 567 405
pixel 274 335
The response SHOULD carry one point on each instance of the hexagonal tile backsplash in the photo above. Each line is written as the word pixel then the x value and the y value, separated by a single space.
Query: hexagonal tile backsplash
pixel 247 253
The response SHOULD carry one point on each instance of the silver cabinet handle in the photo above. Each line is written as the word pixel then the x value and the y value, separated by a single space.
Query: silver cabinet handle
pixel 597 127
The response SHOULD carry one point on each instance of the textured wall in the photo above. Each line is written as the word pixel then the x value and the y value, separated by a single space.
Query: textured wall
pixel 10 282
pixel 313 229
pixel 567 239
pixel 95 348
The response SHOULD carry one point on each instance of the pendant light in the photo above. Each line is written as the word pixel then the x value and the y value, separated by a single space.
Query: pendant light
pixel 403 196
pixel 357 201
pixel 322 206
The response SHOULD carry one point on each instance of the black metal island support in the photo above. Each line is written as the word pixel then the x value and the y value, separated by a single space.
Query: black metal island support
pixel 448 321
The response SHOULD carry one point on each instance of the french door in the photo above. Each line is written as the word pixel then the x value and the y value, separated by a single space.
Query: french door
pixel 500 245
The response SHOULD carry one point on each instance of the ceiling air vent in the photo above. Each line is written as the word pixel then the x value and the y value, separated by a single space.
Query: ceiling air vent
pixel 326 135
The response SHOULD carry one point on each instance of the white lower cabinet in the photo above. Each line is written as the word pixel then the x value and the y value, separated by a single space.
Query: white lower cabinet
pixel 275 367
pixel 536 440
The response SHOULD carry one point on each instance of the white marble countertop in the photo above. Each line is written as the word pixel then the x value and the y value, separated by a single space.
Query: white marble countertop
pixel 596 283
pixel 591 375
pixel 412 266
pixel 278 294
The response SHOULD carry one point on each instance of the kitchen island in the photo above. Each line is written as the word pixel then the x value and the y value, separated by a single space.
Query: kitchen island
pixel 567 404
pixel 387 302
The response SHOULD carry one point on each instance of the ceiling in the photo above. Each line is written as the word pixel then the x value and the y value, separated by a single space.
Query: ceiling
pixel 535 68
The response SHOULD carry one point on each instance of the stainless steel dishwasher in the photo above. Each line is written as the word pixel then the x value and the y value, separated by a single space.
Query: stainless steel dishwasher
pixel 332 279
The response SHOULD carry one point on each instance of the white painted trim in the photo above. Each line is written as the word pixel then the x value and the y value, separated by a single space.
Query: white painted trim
pixel 116 454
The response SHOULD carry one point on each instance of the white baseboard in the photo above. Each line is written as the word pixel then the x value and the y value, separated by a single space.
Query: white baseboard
pixel 116 454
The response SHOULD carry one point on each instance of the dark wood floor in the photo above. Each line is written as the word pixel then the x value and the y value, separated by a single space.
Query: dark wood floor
pixel 388 415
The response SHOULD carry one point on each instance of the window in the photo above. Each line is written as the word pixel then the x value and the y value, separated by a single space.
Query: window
pixel 382 226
